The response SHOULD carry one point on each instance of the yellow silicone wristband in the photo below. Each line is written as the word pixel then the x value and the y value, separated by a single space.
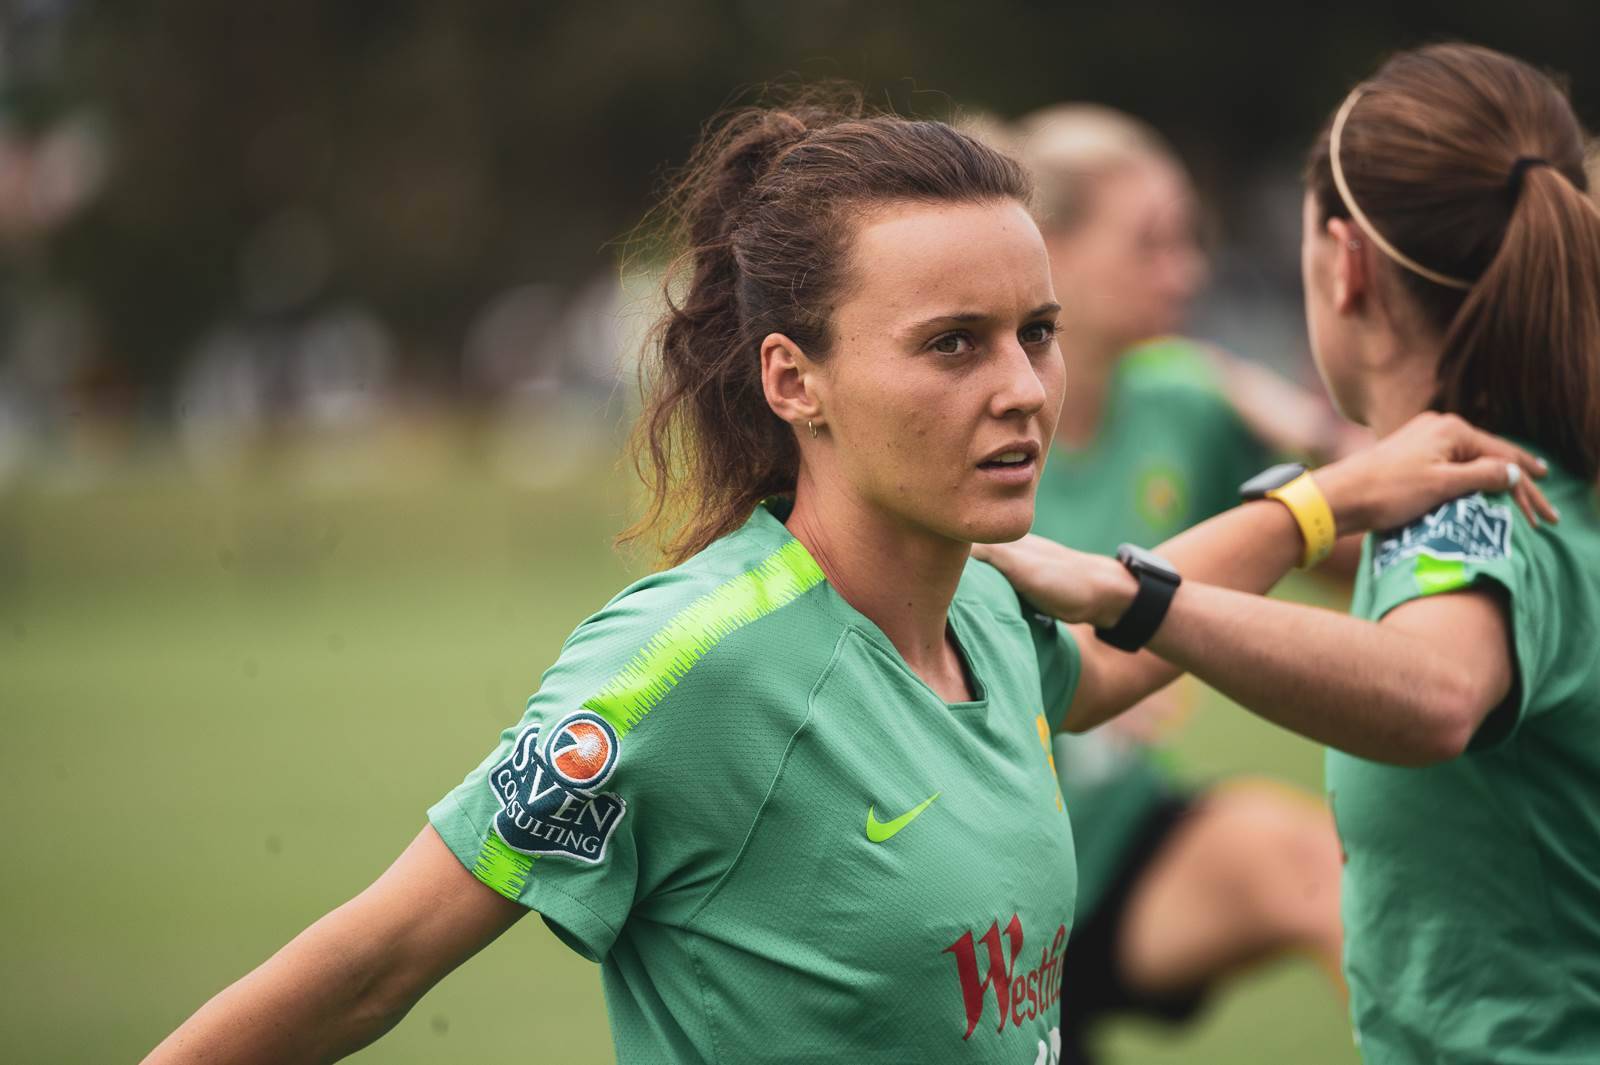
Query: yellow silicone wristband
pixel 1312 513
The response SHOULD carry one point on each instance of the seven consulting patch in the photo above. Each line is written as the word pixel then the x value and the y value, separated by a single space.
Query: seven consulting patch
pixel 548 792
pixel 1469 529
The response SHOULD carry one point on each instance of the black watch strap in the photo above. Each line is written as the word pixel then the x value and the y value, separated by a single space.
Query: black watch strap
pixel 1158 583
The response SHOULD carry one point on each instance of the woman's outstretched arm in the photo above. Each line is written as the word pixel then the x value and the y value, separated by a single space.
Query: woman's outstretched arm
pixel 351 976
pixel 1409 690
pixel 1434 458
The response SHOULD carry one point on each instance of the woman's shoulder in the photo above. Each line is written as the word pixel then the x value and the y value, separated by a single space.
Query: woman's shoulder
pixel 1579 503
pixel 1559 558
pixel 697 624
pixel 1170 363
pixel 754 571
pixel 1176 381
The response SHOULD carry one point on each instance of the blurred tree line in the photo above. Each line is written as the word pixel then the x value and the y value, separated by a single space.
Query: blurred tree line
pixel 428 154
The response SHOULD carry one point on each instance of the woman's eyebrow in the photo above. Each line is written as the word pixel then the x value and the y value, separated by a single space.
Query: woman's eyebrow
pixel 973 317
pixel 958 318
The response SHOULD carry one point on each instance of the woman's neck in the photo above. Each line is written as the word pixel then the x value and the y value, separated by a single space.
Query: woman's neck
pixel 1090 362
pixel 1400 384
pixel 900 577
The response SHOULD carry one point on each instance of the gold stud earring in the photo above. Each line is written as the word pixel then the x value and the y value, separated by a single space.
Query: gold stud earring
pixel 812 427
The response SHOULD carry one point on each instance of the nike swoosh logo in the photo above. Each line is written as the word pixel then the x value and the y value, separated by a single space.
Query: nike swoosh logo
pixel 878 831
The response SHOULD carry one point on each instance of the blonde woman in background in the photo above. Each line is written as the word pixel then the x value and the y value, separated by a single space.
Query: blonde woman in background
pixel 1178 889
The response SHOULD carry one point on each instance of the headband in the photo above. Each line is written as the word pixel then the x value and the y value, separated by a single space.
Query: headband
pixel 1361 219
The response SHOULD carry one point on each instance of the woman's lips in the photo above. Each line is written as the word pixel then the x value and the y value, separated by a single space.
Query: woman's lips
pixel 1011 473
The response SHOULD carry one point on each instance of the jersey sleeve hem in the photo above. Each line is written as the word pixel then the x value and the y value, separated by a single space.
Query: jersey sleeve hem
pixel 573 922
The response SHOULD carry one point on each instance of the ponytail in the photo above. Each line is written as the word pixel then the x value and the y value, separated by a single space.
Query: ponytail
pixel 1470 166
pixel 705 420
pixel 1539 297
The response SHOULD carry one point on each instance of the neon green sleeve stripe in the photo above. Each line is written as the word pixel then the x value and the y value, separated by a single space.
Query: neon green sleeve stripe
pixel 1436 575
pixel 781 577
pixel 502 868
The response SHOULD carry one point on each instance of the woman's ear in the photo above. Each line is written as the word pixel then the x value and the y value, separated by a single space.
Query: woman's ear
pixel 791 382
pixel 1352 269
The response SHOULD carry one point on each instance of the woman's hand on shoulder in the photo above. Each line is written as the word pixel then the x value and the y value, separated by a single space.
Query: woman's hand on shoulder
pixel 1432 459
pixel 1064 583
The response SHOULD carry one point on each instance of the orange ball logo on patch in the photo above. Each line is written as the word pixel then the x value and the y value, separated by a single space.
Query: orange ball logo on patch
pixel 582 750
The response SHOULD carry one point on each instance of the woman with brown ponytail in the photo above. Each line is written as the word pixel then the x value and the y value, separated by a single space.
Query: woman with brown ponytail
pixel 1452 264
pixel 793 793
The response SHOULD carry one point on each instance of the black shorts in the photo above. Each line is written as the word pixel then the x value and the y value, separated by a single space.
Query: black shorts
pixel 1092 982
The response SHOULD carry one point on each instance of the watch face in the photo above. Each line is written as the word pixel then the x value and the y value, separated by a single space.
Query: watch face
pixel 1138 560
pixel 1275 477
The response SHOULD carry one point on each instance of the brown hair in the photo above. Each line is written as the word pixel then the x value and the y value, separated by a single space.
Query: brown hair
pixel 1430 152
pixel 764 215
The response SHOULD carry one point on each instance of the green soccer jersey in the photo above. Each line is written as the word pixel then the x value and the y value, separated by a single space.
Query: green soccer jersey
pixel 1471 891
pixel 1171 452
pixel 778 841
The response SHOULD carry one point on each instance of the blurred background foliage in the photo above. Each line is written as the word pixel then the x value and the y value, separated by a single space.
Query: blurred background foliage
pixel 416 158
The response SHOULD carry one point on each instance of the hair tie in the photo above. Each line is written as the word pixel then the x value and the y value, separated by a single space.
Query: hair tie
pixel 1523 164
pixel 1360 218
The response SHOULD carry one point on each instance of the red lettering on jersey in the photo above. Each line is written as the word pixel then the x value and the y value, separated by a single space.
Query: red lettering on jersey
pixel 997 976
pixel 1020 996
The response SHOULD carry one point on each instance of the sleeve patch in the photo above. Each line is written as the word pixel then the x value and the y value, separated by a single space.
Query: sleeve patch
pixel 549 795
pixel 1465 530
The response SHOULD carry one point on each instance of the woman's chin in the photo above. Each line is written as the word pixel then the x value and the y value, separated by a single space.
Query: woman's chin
pixel 1002 528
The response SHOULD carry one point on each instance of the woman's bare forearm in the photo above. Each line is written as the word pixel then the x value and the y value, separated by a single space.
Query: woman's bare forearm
pixel 351 976
pixel 1433 458
pixel 317 999
pixel 1249 548
pixel 1367 689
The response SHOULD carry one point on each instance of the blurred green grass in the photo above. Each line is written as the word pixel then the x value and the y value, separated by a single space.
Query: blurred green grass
pixel 229 705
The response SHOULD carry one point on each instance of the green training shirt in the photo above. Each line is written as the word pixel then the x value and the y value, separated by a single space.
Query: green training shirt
pixel 778 841
pixel 1171 452
pixel 1471 892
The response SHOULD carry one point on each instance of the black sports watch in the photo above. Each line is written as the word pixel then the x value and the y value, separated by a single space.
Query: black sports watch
pixel 1158 583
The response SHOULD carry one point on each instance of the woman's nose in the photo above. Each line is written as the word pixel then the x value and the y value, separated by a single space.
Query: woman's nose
pixel 1019 390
